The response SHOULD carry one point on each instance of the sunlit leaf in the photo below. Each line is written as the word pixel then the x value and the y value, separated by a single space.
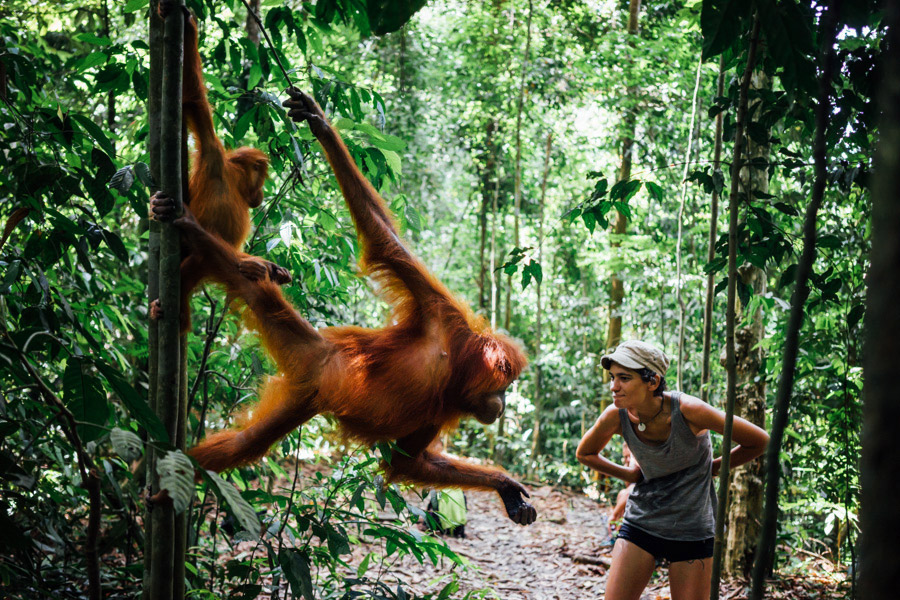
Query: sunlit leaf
pixel 176 475
pixel 126 444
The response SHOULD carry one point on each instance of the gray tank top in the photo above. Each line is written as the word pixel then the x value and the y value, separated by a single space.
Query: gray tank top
pixel 676 499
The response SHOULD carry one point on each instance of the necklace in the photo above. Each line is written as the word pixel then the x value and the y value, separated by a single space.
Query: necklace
pixel 642 426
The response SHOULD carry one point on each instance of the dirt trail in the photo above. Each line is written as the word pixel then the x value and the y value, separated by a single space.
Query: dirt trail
pixel 528 563
pixel 559 556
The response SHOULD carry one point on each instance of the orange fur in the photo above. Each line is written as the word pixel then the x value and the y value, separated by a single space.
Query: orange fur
pixel 435 363
pixel 224 184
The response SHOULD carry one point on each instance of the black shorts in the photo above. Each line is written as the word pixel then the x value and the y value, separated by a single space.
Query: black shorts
pixel 671 550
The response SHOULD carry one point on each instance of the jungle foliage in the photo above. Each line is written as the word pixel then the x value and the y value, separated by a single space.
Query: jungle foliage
pixel 426 97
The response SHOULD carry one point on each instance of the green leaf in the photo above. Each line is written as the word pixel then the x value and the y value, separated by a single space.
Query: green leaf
pixel 90 38
pixel 788 276
pixel 744 292
pixel 295 564
pixel 412 218
pixel 830 287
pixel 114 243
pixel 856 313
pixel 786 209
pixel 126 444
pixel 723 283
pixel 758 132
pixel 829 241
pixel 393 161
pixel 239 508
pixel 715 265
pixel 122 180
pixel 176 475
pixel 789 41
pixel 255 76
pixel 590 220
pixel 718 180
pixel 140 84
pixel 137 407
pixel 85 398
pixel 95 133
pixel 135 5
pixel 143 173
pixel 387 142
pixel 655 191
pixel 600 189
pixel 338 543
pixel 90 61
pixel 625 189
pixel 722 23
pixel 386 16
pixel 243 124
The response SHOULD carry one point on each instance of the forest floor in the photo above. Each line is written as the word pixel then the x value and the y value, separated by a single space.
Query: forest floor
pixel 563 556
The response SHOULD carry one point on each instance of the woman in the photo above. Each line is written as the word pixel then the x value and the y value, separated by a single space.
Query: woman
pixel 670 512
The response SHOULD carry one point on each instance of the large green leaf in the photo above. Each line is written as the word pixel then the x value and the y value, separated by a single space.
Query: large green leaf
pixel 787 30
pixel 239 508
pixel 722 22
pixel 126 444
pixel 94 130
pixel 85 398
pixel 176 475
pixel 296 568
pixel 386 16
pixel 136 405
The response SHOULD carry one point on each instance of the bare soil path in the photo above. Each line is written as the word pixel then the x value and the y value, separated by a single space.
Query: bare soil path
pixel 563 556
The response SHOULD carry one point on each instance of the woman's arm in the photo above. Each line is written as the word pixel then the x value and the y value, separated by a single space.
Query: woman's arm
pixel 596 439
pixel 751 440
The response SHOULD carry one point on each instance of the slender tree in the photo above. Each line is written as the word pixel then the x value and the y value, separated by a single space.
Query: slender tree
pixel 679 295
pixel 517 192
pixel 168 385
pixel 536 357
pixel 880 520
pixel 745 485
pixel 154 106
pixel 766 546
pixel 629 122
pixel 713 236
pixel 730 314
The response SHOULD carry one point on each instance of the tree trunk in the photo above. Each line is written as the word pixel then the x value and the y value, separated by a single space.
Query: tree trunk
pixel 678 276
pixel 731 310
pixel 251 25
pixel 616 287
pixel 488 178
pixel 713 236
pixel 538 392
pixel 154 103
pixel 518 180
pixel 168 388
pixel 766 546
pixel 746 485
pixel 111 97
pixel 880 520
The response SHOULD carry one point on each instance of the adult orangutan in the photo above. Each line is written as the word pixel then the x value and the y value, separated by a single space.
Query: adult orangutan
pixel 224 184
pixel 435 362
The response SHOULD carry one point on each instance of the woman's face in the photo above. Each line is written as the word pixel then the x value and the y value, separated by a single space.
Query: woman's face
pixel 628 389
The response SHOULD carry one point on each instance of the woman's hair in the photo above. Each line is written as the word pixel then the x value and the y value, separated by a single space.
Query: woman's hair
pixel 647 375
